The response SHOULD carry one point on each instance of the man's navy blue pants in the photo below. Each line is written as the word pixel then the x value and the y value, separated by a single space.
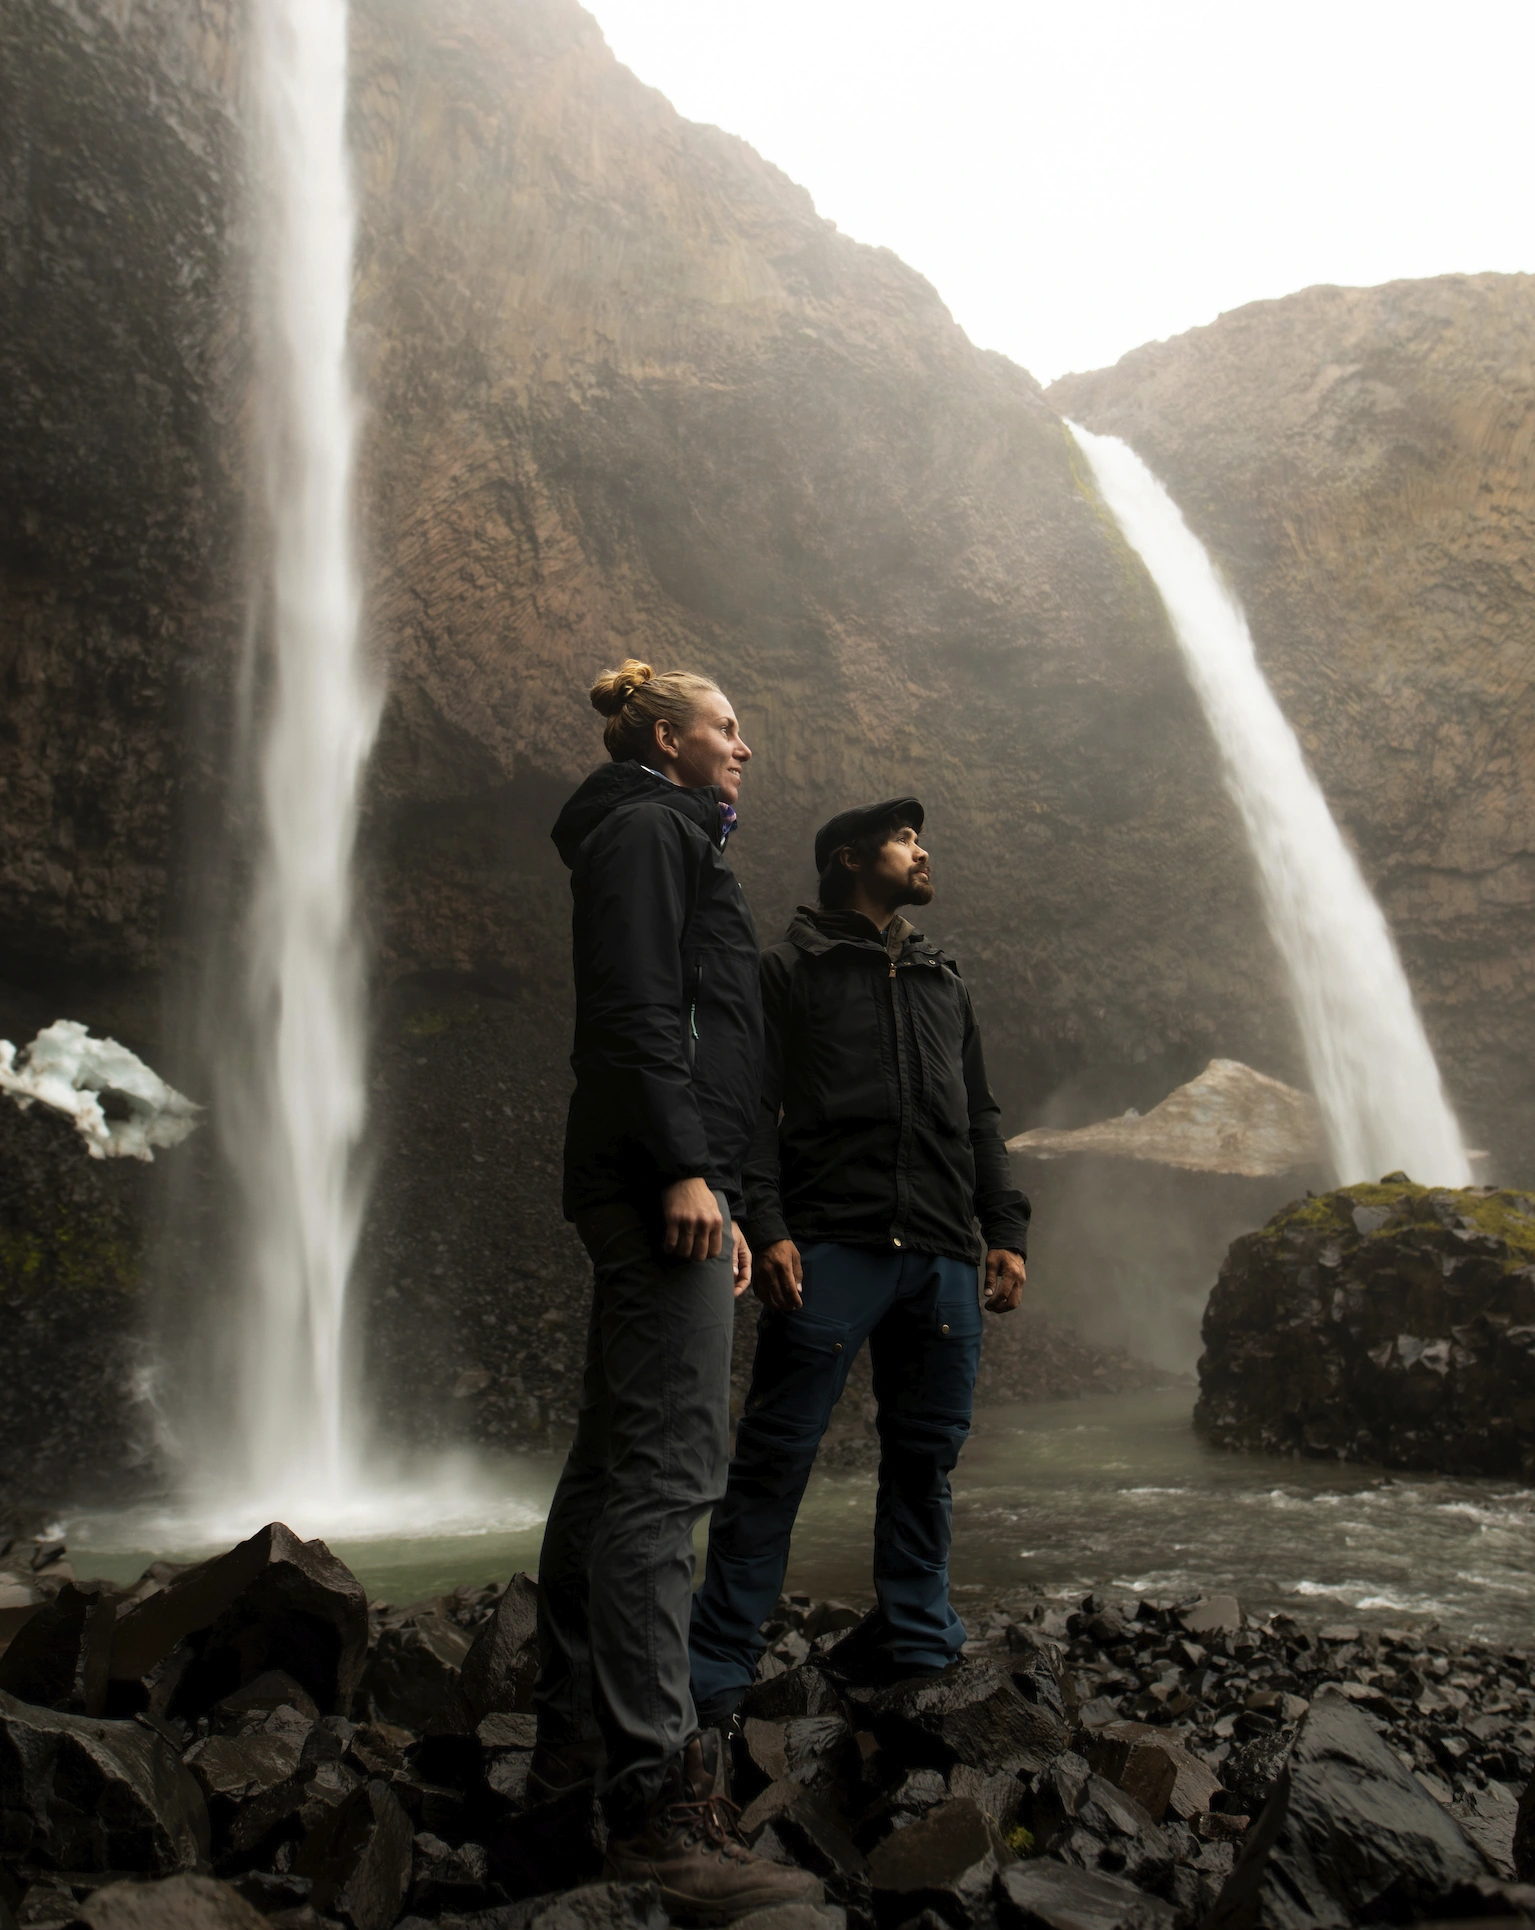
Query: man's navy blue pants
pixel 921 1317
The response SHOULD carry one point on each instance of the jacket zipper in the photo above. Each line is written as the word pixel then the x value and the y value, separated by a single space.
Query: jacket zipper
pixel 903 1149
pixel 692 1035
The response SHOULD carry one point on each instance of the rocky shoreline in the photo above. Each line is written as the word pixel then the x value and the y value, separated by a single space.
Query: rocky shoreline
pixel 258 1743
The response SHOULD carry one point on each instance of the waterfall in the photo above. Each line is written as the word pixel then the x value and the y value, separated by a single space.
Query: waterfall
pixel 304 1111
pixel 1371 1065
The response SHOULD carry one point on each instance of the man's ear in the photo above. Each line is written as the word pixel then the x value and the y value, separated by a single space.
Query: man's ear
pixel 849 859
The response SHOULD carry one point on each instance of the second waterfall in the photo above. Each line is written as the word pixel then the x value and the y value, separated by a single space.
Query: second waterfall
pixel 1371 1065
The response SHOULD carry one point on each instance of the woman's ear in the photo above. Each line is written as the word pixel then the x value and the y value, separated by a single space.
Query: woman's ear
pixel 664 737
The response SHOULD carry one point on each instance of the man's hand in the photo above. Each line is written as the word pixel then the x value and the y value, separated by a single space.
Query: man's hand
pixel 741 1259
pixel 695 1227
pixel 1005 1277
pixel 779 1277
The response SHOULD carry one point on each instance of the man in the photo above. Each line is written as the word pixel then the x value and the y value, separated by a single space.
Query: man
pixel 862 1203
pixel 668 1059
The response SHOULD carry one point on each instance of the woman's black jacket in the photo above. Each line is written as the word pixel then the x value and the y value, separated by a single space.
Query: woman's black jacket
pixel 877 1126
pixel 668 1043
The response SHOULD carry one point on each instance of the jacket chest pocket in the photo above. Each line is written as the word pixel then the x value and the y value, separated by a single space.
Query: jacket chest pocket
pixel 850 1072
pixel 938 1024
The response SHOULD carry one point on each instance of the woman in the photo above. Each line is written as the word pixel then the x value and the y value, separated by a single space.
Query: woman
pixel 668 1064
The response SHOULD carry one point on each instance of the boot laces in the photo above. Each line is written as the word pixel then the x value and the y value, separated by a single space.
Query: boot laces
pixel 713 1820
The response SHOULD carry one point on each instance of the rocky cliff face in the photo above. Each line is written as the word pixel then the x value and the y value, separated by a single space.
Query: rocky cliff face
pixel 1362 463
pixel 626 393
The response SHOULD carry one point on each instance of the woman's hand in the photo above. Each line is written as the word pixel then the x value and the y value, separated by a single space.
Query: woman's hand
pixel 780 1276
pixel 741 1259
pixel 695 1226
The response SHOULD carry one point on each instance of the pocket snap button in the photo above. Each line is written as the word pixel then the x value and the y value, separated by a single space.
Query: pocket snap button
pixel 836 1346
pixel 943 1330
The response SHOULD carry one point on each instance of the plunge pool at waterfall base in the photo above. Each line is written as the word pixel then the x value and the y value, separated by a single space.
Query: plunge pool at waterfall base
pixel 1051 1499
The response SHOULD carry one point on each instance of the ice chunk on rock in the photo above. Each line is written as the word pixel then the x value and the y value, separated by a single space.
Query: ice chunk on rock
pixel 65 1068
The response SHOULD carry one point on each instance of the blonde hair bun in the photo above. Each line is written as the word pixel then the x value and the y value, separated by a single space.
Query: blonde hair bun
pixel 614 688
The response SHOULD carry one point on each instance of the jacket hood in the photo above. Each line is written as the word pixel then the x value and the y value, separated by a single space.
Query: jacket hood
pixel 816 931
pixel 615 785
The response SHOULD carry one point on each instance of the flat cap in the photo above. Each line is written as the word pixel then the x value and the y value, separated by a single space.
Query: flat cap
pixel 863 818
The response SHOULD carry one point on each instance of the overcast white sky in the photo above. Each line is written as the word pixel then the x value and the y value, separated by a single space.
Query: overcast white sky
pixel 1077 178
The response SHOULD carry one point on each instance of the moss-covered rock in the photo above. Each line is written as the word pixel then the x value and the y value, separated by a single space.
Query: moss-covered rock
pixel 1391 1323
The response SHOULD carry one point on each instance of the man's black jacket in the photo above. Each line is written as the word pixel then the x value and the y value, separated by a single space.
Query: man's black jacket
pixel 889 1134
pixel 668 1045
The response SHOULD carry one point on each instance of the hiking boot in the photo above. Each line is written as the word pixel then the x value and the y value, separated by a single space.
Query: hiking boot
pixel 565 1768
pixel 689 1844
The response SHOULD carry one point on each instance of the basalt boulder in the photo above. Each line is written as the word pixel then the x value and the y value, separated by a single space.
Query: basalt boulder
pixel 1391 1323
pixel 177 1903
pixel 273 1602
pixel 946 1862
pixel 1052 1896
pixel 359 1859
pixel 415 1674
pixel 77 1794
pixel 1348 1836
pixel 501 1666
pixel 972 1714
pixel 61 1656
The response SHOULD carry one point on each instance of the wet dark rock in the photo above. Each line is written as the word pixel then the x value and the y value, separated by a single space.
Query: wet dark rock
pixel 792 1695
pixel 1488 1817
pixel 250 1775
pixel 1082 1818
pixel 499 1671
pixel 20 1600
pixel 1039 1674
pixel 1524 1835
pixel 77 1793
pixel 809 1749
pixel 945 1862
pixel 1391 1323
pixel 604 1906
pixel 273 1602
pixel 48 1903
pixel 358 1859
pixel 269 1892
pixel 1211 1615
pixel 1000 1795
pixel 60 1656
pixel 552 1846
pixel 276 1689
pixel 795 1916
pixel 829 1618
pixel 914 1796
pixel 1153 1767
pixel 176 1903
pixel 971 1713
pixel 792 1824
pixel 1051 1896
pixel 1348 1835
pixel 414 1676
pixel 452 1878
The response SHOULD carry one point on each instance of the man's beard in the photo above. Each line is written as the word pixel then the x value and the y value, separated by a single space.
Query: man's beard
pixel 919 889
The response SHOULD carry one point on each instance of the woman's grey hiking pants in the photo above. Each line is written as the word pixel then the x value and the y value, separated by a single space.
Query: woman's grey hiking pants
pixel 648 1462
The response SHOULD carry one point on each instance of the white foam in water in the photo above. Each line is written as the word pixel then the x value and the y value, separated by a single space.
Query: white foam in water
pixel 456 1496
pixel 1370 1062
